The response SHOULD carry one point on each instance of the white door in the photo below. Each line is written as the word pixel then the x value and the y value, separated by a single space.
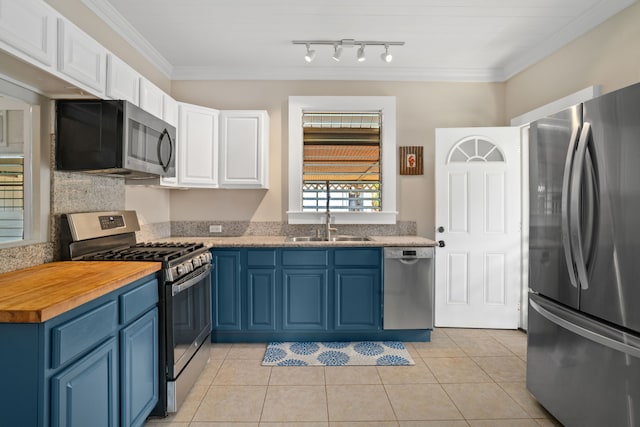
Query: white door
pixel 477 173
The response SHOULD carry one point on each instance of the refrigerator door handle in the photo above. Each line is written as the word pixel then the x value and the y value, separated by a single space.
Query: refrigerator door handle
pixel 565 208
pixel 586 332
pixel 574 208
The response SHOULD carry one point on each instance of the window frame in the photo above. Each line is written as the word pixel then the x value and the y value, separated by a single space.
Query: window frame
pixel 386 105
pixel 36 164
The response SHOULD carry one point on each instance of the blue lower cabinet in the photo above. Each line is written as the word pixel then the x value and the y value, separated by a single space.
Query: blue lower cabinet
pixel 300 294
pixel 225 295
pixel 86 393
pixel 304 299
pixel 139 369
pixel 89 366
pixel 261 299
pixel 357 299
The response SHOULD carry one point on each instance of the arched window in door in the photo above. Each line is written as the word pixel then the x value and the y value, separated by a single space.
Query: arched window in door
pixel 475 149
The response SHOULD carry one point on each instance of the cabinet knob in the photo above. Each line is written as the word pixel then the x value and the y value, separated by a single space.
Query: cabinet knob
pixel 441 229
pixel 441 243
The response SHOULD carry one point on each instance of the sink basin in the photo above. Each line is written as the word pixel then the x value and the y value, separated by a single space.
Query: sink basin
pixel 333 239
pixel 306 239
pixel 350 239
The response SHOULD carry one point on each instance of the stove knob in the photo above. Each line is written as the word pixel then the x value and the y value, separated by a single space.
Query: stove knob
pixel 188 266
pixel 181 270
pixel 196 262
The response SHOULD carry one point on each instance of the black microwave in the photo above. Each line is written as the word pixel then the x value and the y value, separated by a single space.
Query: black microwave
pixel 113 137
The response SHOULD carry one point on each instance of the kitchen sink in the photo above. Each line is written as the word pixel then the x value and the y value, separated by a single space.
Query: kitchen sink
pixel 332 239
pixel 350 239
pixel 306 239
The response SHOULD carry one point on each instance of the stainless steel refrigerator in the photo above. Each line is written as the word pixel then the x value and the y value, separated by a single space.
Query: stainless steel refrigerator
pixel 583 358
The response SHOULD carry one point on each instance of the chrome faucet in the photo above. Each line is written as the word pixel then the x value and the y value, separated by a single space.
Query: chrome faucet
pixel 328 229
pixel 327 222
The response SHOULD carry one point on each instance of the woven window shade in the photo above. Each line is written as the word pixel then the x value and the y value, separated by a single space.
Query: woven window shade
pixel 342 155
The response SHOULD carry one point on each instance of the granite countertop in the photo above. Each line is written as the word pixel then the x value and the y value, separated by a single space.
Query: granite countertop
pixel 39 293
pixel 283 241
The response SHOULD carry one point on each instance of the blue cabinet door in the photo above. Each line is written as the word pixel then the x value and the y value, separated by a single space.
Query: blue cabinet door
pixel 225 295
pixel 357 299
pixel 86 394
pixel 304 295
pixel 139 369
pixel 261 299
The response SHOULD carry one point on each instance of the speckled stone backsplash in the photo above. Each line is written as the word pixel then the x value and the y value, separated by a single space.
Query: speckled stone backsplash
pixel 274 228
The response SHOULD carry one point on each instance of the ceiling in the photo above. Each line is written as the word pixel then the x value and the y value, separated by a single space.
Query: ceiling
pixel 446 40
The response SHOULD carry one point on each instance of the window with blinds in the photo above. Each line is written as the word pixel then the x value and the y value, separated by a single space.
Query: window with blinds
pixel 341 162
pixel 11 198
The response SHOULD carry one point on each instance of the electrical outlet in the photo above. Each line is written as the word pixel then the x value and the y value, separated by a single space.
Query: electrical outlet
pixel 215 229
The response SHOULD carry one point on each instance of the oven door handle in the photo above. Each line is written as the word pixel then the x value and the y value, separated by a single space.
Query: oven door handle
pixel 180 287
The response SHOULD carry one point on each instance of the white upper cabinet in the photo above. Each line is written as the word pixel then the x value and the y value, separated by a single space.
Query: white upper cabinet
pixel 170 110
pixel 244 149
pixel 123 82
pixel 151 98
pixel 197 146
pixel 81 58
pixel 28 30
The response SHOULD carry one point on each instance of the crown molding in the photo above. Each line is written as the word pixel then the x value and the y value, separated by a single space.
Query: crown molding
pixel 114 19
pixel 329 73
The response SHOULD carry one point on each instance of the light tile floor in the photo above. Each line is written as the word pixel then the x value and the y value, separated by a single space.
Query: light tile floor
pixel 462 378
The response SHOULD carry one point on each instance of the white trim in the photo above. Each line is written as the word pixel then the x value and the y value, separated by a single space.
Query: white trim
pixel 523 122
pixel 556 106
pixel 116 22
pixel 384 104
pixel 342 73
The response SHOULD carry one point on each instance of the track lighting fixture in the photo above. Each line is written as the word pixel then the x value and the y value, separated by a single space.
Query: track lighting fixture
pixel 386 56
pixel 337 51
pixel 338 46
pixel 310 54
pixel 361 57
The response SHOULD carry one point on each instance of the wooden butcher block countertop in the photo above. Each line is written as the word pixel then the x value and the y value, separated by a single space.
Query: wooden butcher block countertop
pixel 42 292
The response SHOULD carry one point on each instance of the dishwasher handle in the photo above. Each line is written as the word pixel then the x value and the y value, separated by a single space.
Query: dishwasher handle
pixel 409 261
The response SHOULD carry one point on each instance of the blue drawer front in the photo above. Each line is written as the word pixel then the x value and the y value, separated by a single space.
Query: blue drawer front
pixel 82 333
pixel 261 258
pixel 301 257
pixel 361 257
pixel 138 301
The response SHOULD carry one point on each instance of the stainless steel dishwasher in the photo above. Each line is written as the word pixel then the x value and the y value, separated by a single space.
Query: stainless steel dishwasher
pixel 408 288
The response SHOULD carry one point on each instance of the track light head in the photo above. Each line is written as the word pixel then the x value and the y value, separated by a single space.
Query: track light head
pixel 310 54
pixel 361 57
pixel 337 51
pixel 386 56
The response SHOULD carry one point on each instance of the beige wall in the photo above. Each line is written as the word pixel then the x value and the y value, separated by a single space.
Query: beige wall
pixel 421 107
pixel 90 23
pixel 609 56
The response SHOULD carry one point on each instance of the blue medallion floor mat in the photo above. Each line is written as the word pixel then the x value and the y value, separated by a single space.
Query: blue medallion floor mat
pixel 354 353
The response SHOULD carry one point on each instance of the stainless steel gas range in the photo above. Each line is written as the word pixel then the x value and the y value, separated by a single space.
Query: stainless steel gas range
pixel 185 292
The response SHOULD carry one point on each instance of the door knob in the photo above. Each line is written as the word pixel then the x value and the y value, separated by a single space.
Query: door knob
pixel 441 243
pixel 441 229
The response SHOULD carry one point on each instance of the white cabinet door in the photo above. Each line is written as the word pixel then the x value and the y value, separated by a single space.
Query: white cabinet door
pixel 28 30
pixel 123 82
pixel 170 110
pixel 197 146
pixel 244 149
pixel 81 58
pixel 151 98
